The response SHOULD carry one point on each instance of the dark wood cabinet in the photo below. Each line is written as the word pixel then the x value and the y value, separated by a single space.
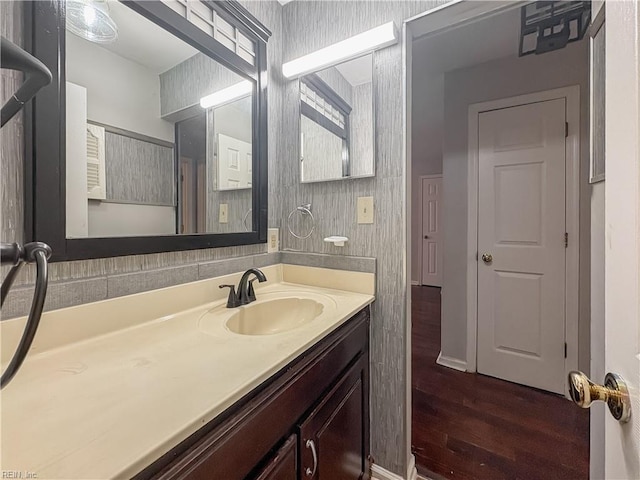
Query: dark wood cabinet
pixel 332 438
pixel 319 403
pixel 284 464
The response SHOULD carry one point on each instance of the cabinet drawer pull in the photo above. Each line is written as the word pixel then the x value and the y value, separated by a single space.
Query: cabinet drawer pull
pixel 310 444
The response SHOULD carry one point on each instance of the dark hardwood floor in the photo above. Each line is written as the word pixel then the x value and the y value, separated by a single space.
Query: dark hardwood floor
pixel 470 426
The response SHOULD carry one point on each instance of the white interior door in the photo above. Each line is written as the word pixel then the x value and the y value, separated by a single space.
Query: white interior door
pixel 431 232
pixel 622 232
pixel 234 163
pixel 521 247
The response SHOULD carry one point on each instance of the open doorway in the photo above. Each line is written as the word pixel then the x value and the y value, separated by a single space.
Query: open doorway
pixel 508 316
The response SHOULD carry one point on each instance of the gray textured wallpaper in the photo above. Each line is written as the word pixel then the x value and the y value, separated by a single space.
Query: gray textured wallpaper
pixel 11 146
pixel 186 83
pixel 139 172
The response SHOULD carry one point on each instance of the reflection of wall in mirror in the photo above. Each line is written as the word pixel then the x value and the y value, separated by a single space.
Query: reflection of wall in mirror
pixel 321 152
pixel 123 94
pixel 339 84
pixel 361 131
pixel 120 93
pixel 186 83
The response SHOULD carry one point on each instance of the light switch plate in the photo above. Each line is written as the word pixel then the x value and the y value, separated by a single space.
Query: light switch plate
pixel 224 213
pixel 273 240
pixel 365 210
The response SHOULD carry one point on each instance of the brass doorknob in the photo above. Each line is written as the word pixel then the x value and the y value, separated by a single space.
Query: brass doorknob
pixel 614 392
pixel 487 258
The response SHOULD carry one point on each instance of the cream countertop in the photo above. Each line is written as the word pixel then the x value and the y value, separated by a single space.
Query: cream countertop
pixel 111 386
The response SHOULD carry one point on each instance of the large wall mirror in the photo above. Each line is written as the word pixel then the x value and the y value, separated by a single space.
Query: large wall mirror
pixel 157 129
pixel 337 122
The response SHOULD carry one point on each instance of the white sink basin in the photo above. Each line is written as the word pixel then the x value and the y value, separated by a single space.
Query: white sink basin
pixel 273 316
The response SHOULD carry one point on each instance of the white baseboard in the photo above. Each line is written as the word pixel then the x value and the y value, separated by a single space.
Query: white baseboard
pixel 380 473
pixel 451 362
pixel 415 283
pixel 412 472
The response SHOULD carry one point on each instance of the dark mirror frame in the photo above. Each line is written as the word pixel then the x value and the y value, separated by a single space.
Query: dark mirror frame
pixel 45 149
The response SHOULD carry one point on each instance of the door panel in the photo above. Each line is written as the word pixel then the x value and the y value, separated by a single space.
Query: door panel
pixel 521 224
pixel 431 228
pixel 234 163
pixel 622 231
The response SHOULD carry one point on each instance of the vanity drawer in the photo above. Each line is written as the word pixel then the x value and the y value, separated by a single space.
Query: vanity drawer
pixel 234 446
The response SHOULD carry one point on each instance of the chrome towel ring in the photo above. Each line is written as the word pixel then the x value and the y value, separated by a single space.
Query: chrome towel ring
pixel 244 220
pixel 304 210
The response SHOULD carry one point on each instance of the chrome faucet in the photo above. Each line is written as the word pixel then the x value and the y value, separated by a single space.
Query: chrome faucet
pixel 246 294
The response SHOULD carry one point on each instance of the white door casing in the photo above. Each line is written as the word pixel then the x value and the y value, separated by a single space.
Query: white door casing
pixel 622 231
pixel 521 224
pixel 431 230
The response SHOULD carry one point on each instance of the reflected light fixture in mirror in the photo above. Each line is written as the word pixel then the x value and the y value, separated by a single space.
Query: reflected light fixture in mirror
pixel 227 95
pixel 378 37
pixel 90 19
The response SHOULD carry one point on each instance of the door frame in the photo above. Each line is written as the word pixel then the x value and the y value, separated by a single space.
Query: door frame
pixel 422 177
pixel 572 216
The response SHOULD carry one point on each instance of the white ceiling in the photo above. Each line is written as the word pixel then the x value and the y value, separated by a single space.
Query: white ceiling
pixel 142 41
pixel 479 42
pixel 357 71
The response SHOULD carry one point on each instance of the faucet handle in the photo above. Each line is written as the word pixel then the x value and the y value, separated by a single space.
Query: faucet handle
pixel 233 300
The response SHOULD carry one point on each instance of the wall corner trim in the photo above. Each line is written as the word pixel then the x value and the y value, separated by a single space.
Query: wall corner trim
pixel 450 362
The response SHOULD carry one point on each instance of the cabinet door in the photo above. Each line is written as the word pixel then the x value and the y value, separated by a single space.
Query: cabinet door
pixel 334 440
pixel 283 465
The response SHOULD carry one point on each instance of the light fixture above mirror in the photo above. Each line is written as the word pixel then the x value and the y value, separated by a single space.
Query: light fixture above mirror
pixel 227 95
pixel 379 37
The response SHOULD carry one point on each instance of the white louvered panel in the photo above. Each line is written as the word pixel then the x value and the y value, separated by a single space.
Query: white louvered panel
pixel 93 175
pixel 96 188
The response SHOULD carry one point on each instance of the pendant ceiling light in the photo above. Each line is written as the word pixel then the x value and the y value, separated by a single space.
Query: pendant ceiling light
pixel 90 19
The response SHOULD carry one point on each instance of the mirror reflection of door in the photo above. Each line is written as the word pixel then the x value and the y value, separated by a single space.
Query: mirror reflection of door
pixel 192 157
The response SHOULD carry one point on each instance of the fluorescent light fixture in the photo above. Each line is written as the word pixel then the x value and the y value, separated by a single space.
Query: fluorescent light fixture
pixel 227 95
pixel 378 37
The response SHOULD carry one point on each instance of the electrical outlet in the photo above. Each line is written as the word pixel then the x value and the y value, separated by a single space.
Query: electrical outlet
pixel 273 240
pixel 224 213
pixel 365 210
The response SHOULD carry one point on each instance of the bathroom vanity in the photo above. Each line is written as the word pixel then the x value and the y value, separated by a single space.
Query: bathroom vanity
pixel 313 414
pixel 170 383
